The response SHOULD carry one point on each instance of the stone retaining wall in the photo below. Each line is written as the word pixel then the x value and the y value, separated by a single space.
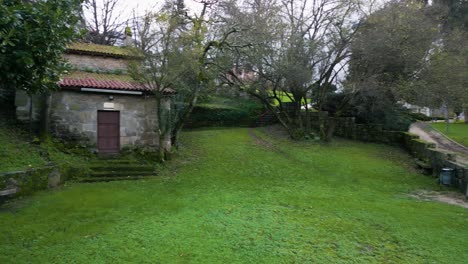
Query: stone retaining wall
pixel 21 183
pixel 26 182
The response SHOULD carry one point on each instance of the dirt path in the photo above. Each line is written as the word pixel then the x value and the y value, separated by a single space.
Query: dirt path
pixel 427 133
pixel 443 197
pixel 272 131
pixel 261 142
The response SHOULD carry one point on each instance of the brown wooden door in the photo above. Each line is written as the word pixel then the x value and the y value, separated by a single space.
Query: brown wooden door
pixel 108 139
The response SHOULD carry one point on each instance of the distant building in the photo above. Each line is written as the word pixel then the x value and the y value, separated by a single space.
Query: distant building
pixel 417 109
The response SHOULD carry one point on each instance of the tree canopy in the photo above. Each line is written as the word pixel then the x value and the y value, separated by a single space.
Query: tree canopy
pixel 33 37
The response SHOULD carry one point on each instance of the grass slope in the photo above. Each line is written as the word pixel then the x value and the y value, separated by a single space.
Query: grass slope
pixel 235 199
pixel 457 131
pixel 16 153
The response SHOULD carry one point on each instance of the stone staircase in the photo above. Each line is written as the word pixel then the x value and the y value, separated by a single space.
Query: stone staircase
pixel 265 119
pixel 105 170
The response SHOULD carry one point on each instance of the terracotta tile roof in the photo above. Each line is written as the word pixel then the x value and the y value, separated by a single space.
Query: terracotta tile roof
pixel 79 79
pixel 100 50
pixel 101 81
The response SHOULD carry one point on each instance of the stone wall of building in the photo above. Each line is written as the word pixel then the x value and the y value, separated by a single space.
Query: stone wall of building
pixel 22 103
pixel 74 116
pixel 82 62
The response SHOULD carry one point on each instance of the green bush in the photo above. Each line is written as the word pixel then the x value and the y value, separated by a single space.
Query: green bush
pixel 203 116
pixel 422 117
pixel 223 111
pixel 419 117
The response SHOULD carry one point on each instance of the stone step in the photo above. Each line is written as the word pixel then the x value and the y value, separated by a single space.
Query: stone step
pixel 121 173
pixel 115 169
pixel 109 179
pixel 266 118
pixel 114 162
pixel 8 192
pixel 120 167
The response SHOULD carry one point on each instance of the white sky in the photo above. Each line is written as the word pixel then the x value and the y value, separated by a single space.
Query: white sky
pixel 140 6
pixel 125 8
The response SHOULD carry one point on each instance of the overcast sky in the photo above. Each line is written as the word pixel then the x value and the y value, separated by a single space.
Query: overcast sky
pixel 126 7
pixel 140 6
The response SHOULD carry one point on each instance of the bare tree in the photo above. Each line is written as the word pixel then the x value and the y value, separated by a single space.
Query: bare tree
pixel 103 23
pixel 177 52
pixel 300 52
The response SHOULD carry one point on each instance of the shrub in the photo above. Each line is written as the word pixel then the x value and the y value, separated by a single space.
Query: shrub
pixel 222 111
pixel 204 115
pixel 419 117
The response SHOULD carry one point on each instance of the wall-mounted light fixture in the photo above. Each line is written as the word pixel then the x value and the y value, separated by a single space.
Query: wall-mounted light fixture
pixel 94 90
pixel 111 97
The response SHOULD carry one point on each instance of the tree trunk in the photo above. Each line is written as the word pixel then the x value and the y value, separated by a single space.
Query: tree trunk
pixel 331 125
pixel 447 120
pixel 45 116
pixel 308 125
pixel 30 115
pixel 322 124
pixel 164 127
pixel 179 124
pixel 465 114
pixel 175 138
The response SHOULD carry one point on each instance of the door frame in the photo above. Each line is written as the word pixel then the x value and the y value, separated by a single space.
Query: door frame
pixel 118 131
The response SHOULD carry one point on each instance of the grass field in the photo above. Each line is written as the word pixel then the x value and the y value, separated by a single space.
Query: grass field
pixel 457 131
pixel 237 196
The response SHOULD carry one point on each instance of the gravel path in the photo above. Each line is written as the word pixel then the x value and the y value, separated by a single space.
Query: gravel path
pixel 427 133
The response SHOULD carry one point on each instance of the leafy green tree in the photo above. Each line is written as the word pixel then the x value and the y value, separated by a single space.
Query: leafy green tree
pixel 388 54
pixel 444 81
pixel 391 48
pixel 412 52
pixel 33 36
pixel 455 13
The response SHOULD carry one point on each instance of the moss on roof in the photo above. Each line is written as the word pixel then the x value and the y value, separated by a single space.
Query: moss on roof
pixel 101 49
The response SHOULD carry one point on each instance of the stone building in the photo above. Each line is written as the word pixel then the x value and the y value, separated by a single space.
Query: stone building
pixel 98 101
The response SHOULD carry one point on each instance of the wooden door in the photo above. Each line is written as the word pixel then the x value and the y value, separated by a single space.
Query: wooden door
pixel 108 139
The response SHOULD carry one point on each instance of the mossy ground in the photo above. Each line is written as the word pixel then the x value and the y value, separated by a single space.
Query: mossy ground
pixel 19 151
pixel 227 198
pixel 16 150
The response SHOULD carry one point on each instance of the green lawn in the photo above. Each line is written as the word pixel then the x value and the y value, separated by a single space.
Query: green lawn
pixel 457 131
pixel 228 198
